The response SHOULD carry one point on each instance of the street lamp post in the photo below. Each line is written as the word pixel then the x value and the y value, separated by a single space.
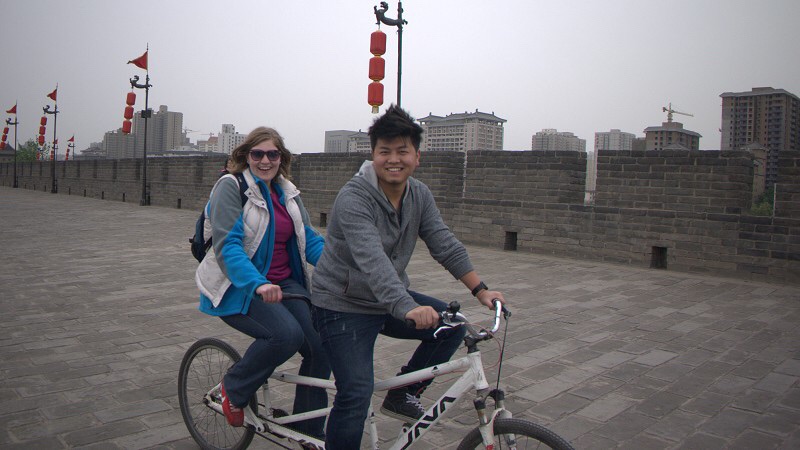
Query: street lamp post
pixel 46 109
pixel 380 14
pixel 15 183
pixel 145 201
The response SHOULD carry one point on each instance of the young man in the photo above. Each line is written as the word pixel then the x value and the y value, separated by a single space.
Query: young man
pixel 360 286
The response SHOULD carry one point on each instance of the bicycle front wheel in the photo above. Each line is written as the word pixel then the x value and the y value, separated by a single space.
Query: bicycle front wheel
pixel 517 434
pixel 202 368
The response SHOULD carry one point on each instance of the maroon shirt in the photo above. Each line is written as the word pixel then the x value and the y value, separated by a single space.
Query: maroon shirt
pixel 279 269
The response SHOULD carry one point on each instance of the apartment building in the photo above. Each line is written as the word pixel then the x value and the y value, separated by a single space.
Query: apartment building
pixel 229 139
pixel 552 139
pixel 613 140
pixel 763 116
pixel 346 141
pixel 671 135
pixel 462 132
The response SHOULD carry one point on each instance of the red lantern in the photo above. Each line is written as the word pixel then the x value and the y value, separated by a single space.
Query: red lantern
pixel 131 98
pixel 126 127
pixel 129 112
pixel 377 43
pixel 5 130
pixel 375 96
pixel 66 158
pixel 2 145
pixel 5 136
pixel 41 140
pixel 377 66
pixel 52 155
pixel 41 130
pixel 43 122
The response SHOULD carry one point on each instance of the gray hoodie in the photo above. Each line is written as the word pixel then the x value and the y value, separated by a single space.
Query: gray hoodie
pixel 368 246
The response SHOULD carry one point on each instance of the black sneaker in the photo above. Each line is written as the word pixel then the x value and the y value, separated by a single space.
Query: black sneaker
pixel 402 405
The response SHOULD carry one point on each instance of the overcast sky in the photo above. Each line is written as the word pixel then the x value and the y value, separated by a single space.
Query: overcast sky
pixel 301 66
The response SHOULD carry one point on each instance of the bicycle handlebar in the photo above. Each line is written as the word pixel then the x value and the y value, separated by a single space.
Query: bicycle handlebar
pixel 451 318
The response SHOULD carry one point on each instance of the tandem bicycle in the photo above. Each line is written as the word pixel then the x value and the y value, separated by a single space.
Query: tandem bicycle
pixel 207 360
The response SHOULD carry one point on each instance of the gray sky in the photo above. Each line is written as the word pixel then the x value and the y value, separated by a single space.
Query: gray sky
pixel 301 66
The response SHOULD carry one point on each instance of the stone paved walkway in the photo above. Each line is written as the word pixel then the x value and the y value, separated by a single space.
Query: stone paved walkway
pixel 98 305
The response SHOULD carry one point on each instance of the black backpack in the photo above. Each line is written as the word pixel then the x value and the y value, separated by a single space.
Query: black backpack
pixel 199 244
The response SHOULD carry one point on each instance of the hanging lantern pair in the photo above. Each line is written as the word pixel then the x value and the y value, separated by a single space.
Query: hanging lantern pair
pixel 377 67
pixel 130 100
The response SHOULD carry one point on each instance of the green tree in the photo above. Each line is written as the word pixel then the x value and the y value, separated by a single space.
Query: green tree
pixel 27 151
pixel 764 204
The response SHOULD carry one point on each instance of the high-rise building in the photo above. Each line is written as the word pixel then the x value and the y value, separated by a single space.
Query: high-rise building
pixel 613 140
pixel 765 116
pixel 208 145
pixel 462 132
pixel 552 139
pixel 229 139
pixel 164 131
pixel 118 145
pixel 346 141
pixel 671 135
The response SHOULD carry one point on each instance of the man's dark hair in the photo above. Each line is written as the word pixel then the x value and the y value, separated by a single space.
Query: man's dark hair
pixel 395 122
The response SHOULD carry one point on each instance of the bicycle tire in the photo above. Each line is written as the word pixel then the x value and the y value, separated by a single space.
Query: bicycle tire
pixel 202 367
pixel 524 432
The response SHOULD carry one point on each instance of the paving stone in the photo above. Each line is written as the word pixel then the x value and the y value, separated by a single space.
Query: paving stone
pixel 776 382
pixel 605 408
pixel 707 404
pixel 625 426
pixel 702 441
pixel 644 441
pixel 753 439
pixel 660 404
pixel 729 423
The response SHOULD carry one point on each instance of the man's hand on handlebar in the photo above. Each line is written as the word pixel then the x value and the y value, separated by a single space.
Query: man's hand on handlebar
pixel 487 297
pixel 270 293
pixel 424 317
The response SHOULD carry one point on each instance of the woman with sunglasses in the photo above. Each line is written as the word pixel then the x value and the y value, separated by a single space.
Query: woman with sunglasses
pixel 261 250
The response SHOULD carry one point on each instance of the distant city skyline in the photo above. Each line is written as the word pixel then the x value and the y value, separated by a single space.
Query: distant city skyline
pixel 302 67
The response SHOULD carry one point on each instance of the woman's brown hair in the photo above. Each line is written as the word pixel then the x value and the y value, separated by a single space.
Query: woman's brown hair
pixel 237 163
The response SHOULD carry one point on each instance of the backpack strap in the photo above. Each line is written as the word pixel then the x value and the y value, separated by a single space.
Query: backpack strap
pixel 242 186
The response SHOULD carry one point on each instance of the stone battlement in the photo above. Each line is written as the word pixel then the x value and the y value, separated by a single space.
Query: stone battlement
pixel 679 210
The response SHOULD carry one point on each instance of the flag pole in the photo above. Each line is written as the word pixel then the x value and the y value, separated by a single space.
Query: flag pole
pixel 53 96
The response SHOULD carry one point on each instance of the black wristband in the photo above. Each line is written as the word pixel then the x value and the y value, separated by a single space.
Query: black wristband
pixel 480 287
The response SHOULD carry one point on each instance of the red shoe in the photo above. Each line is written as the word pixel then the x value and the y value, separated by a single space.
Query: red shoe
pixel 234 415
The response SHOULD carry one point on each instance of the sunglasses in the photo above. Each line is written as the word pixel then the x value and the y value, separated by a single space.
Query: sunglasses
pixel 272 155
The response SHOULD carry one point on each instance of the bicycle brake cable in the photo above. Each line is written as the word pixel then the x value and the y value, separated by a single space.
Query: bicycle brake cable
pixel 502 351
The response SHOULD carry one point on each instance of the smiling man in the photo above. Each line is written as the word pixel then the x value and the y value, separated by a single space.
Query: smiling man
pixel 360 285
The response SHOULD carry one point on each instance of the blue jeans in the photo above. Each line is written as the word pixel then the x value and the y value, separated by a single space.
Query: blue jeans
pixel 349 340
pixel 280 330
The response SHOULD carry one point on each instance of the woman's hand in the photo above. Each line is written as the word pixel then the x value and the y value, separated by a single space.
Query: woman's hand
pixel 270 293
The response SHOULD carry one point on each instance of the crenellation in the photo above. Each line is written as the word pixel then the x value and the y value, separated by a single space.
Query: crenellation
pixel 693 203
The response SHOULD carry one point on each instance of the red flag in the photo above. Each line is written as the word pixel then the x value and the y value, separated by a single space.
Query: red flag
pixel 72 139
pixel 13 109
pixel 140 62
pixel 52 95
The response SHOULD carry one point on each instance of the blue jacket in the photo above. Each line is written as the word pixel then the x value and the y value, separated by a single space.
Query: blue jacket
pixel 243 238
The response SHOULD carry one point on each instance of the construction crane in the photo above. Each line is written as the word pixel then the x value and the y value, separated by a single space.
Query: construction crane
pixel 670 111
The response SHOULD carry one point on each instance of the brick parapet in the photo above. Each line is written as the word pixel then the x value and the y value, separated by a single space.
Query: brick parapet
pixel 692 205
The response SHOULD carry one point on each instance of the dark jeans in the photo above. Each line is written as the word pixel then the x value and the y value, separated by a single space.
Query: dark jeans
pixel 279 330
pixel 349 340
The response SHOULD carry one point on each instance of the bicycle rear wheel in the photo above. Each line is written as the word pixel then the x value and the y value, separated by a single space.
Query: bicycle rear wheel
pixel 202 368
pixel 517 434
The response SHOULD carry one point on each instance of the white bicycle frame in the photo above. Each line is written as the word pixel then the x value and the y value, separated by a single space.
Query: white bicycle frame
pixel 472 378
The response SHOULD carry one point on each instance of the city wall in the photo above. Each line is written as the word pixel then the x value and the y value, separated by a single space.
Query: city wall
pixel 677 210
